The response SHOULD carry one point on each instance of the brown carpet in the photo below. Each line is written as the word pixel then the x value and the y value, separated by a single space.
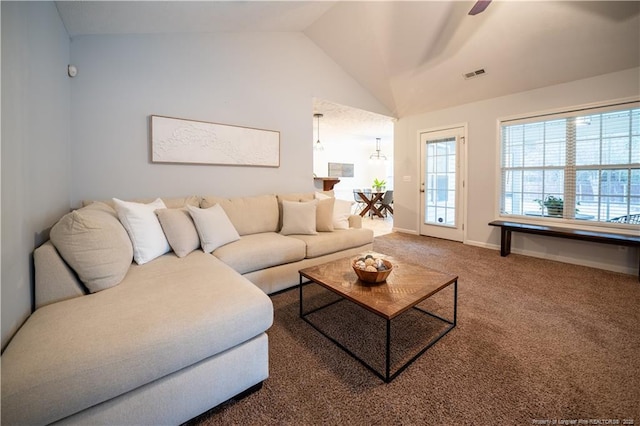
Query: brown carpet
pixel 536 340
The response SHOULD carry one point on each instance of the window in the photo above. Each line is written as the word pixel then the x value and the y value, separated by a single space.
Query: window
pixel 579 166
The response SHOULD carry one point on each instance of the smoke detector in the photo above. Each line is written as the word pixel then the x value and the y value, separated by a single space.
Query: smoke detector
pixel 473 74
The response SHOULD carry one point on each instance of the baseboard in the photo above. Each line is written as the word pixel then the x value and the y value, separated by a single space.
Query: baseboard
pixel 405 231
pixel 558 258
pixel 483 245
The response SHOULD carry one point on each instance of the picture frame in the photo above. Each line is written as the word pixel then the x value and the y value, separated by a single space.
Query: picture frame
pixel 340 169
pixel 184 141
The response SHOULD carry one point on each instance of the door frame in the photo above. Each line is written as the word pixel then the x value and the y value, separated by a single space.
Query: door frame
pixel 463 173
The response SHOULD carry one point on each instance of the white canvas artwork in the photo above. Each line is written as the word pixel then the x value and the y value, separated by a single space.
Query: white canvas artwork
pixel 175 140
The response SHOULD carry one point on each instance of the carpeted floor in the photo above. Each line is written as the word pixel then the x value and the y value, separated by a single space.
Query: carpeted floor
pixel 536 341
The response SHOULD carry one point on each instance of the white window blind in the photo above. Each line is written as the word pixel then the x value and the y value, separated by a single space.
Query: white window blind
pixel 575 166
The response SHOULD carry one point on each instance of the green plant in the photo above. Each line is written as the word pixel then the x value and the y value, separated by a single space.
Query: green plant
pixel 378 184
pixel 554 205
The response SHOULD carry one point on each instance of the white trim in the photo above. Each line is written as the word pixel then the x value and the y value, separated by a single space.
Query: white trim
pixel 405 231
pixel 483 245
pixel 498 172
pixel 464 166
pixel 614 104
pixel 563 110
pixel 558 258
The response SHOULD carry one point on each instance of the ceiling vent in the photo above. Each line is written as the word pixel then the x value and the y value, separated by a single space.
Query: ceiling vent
pixel 474 74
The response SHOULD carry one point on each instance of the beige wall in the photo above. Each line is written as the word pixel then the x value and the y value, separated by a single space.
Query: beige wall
pixel 483 151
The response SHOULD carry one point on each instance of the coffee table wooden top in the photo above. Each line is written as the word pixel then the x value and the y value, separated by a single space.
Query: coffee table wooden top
pixel 407 285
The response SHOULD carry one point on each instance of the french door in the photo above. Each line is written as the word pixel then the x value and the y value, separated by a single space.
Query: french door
pixel 442 156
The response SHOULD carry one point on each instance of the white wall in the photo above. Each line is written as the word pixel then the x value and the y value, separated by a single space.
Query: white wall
pixel 482 118
pixel 35 145
pixel 354 150
pixel 263 80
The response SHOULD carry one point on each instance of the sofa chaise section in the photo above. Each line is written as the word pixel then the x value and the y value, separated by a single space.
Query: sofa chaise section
pixel 166 317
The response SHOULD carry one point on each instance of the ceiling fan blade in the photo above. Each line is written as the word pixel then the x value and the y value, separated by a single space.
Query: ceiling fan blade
pixel 480 6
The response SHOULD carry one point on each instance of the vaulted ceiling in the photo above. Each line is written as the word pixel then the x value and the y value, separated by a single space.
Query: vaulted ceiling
pixel 411 55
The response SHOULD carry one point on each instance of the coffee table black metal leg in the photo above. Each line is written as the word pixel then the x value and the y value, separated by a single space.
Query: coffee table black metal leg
pixel 388 360
pixel 301 296
pixel 455 303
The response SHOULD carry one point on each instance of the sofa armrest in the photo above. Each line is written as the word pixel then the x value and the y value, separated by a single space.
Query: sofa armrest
pixel 55 280
pixel 355 221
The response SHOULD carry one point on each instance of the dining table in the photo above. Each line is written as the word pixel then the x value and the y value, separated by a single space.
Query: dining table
pixel 370 199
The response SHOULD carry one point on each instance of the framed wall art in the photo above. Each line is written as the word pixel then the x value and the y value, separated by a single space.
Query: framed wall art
pixel 341 169
pixel 176 140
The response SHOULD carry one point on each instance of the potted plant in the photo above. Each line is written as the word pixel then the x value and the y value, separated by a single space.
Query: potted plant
pixel 554 205
pixel 379 185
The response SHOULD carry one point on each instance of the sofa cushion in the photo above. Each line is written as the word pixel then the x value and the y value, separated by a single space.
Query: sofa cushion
pixel 296 196
pixel 96 246
pixel 55 279
pixel 299 217
pixel 179 229
pixel 144 229
pixel 164 316
pixel 214 227
pixel 331 242
pixel 249 215
pixel 260 251
pixel 170 202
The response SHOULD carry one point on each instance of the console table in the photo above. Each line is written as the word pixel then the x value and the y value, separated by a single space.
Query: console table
pixel 552 231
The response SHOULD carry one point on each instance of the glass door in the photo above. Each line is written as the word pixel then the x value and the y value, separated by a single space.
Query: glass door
pixel 441 191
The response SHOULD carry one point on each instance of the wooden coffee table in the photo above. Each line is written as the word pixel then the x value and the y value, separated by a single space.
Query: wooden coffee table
pixel 407 285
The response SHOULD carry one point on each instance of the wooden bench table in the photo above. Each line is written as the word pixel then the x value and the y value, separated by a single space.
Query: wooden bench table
pixel 552 231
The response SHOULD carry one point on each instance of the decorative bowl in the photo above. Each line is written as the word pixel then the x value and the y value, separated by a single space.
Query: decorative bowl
pixel 372 276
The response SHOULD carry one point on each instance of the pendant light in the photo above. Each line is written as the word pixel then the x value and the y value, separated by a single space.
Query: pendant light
pixel 376 155
pixel 317 146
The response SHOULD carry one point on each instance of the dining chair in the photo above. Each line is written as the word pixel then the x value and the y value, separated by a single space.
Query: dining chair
pixel 360 204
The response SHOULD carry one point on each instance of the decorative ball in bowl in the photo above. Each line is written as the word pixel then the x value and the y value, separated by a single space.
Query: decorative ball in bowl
pixel 371 269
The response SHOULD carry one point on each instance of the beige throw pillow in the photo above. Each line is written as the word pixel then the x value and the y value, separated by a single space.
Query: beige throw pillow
pixel 324 215
pixel 180 230
pixel 214 227
pixel 341 210
pixel 95 245
pixel 299 218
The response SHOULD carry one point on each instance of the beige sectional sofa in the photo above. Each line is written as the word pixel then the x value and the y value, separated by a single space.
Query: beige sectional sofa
pixel 117 342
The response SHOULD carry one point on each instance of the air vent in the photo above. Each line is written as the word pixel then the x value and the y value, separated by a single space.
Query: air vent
pixel 474 74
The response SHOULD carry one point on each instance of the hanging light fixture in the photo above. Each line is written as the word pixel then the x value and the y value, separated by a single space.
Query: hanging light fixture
pixel 376 155
pixel 317 146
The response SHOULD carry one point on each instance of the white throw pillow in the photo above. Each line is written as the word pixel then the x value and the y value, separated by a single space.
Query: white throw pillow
pixel 299 217
pixel 143 228
pixel 214 227
pixel 341 213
